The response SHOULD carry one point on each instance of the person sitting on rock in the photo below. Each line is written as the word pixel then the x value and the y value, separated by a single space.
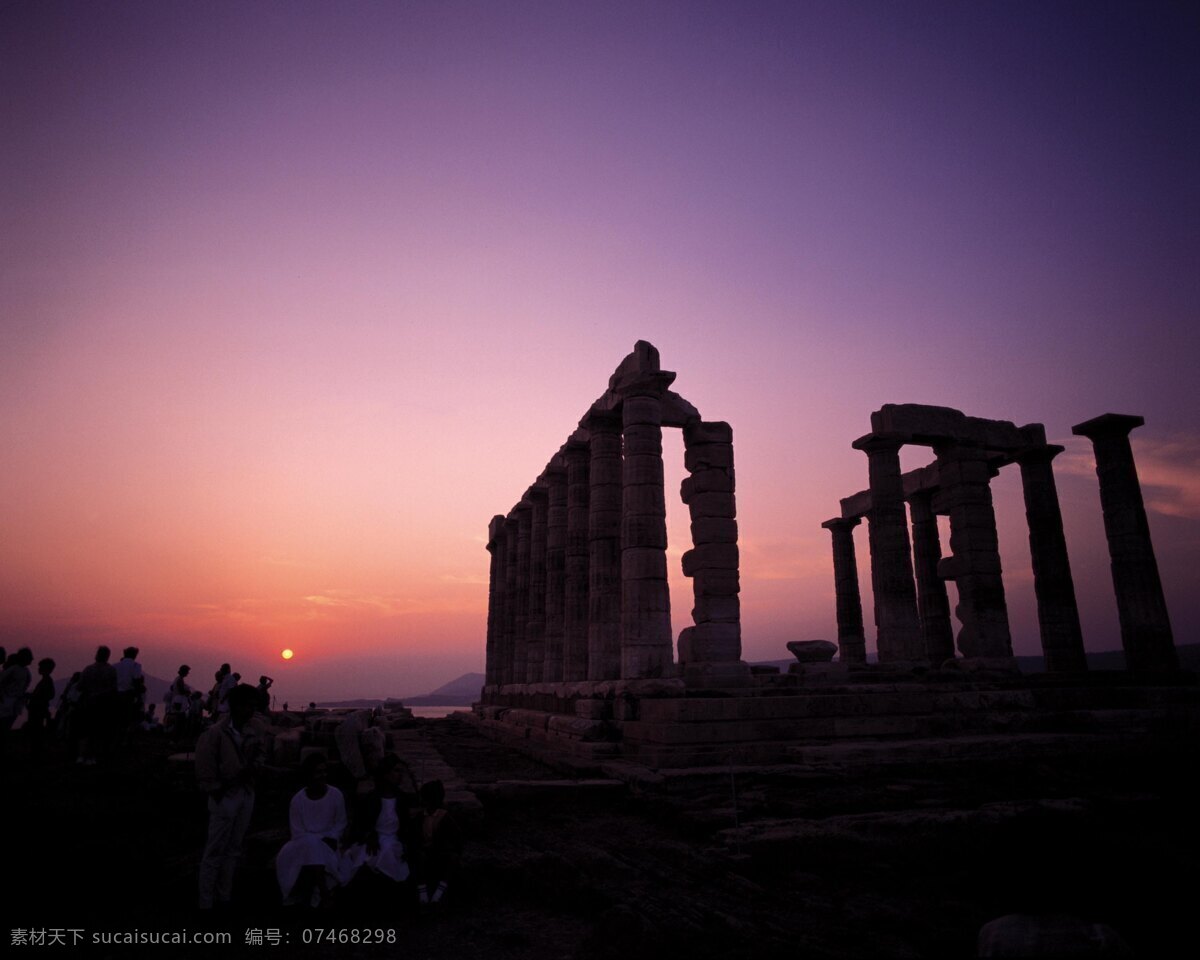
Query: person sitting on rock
pixel 439 844
pixel 308 867
pixel 382 824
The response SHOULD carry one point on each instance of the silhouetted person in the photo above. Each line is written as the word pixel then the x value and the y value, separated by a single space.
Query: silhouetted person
pixel 308 866
pixel 39 707
pixel 66 718
pixel 219 698
pixel 264 694
pixel 98 707
pixel 131 688
pixel 14 687
pixel 227 755
pixel 439 843
pixel 382 830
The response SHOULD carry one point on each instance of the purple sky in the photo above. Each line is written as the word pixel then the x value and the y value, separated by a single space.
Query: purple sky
pixel 295 296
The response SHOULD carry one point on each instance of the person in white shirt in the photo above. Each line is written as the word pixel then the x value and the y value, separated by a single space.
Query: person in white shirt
pixel 317 816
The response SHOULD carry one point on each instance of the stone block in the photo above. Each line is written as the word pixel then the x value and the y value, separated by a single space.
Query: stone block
pixel 642 468
pixel 1048 935
pixel 643 531
pixel 641 410
pixel 713 530
pixel 287 747
pixel 592 709
pixel 643 563
pixel 642 441
pixel 707 431
pixel 715 583
pixel 713 505
pixel 710 556
pixel 716 608
pixel 576 728
pixel 710 642
pixel 704 455
pixel 707 481
pixel 647 499
pixel 646 597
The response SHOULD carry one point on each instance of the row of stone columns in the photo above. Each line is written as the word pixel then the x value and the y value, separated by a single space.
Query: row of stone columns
pixel 578 587
pixel 911 605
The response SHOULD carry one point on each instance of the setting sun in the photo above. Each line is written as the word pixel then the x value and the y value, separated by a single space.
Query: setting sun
pixel 287 654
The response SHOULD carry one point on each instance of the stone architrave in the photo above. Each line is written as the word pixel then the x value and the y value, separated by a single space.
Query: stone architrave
pixel 575 588
pixel 852 642
pixel 604 547
pixel 974 564
pixel 1145 626
pixel 896 618
pixel 508 651
pixel 710 651
pixel 645 601
pixel 1058 613
pixel 933 604
pixel 556 549
pixel 535 628
pixel 495 620
pixel 520 661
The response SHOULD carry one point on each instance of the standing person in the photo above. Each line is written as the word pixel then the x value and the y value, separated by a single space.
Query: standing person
pixel 264 694
pixel 98 707
pixel 227 755
pixel 178 696
pixel 440 844
pixel 39 707
pixel 228 680
pixel 317 817
pixel 14 685
pixel 131 688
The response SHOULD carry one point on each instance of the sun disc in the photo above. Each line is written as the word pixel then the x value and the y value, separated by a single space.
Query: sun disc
pixel 287 654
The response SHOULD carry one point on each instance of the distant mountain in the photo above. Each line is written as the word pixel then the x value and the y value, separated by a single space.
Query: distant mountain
pixel 459 692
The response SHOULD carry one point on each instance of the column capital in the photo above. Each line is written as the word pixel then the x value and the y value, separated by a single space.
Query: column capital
pixel 842 523
pixel 879 443
pixel 1042 454
pixel 601 421
pixel 1108 425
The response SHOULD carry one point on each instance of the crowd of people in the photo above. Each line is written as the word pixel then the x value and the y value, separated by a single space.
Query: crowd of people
pixel 396 836
pixel 399 835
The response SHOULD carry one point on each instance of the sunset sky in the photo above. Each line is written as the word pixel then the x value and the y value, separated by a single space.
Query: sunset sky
pixel 295 296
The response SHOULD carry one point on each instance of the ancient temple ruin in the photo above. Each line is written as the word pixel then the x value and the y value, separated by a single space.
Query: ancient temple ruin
pixel 578 588
pixel 908 580
pixel 580 654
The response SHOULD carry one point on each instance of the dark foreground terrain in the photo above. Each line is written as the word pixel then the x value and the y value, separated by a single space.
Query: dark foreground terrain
pixel 852 857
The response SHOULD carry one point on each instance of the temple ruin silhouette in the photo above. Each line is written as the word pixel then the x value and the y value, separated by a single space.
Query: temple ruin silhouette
pixel 580 653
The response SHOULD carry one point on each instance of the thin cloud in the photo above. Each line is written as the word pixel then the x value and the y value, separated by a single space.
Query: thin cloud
pixel 1168 468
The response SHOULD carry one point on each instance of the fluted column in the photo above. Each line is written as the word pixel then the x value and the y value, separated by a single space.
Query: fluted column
pixel 508 652
pixel 575 612
pixel 852 643
pixel 495 618
pixel 604 547
pixel 520 661
pixel 1058 613
pixel 711 650
pixel 896 618
pixel 974 564
pixel 645 601
pixel 535 627
pixel 933 604
pixel 556 549
pixel 1145 626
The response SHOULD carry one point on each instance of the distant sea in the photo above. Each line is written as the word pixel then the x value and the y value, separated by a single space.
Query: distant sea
pixel 431 713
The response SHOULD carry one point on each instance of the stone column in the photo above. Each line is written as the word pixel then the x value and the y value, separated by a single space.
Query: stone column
pixel 495 620
pixel 852 643
pixel 1058 613
pixel 575 613
pixel 933 604
pixel 645 602
pixel 711 651
pixel 896 618
pixel 974 564
pixel 535 627
pixel 1145 627
pixel 508 652
pixel 520 661
pixel 604 547
pixel 556 550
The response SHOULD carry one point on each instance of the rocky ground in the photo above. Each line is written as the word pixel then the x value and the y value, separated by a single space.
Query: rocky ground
pixel 847 857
